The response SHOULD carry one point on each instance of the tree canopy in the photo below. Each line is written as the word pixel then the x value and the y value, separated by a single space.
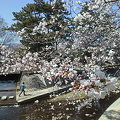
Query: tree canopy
pixel 41 23
pixel 97 25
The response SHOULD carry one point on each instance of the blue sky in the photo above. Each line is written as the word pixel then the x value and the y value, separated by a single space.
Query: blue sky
pixel 9 6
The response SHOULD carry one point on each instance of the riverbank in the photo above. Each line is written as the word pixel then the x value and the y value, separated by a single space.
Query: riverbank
pixel 38 94
pixel 60 107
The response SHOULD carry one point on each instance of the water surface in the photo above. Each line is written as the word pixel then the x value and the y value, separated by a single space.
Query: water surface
pixel 60 110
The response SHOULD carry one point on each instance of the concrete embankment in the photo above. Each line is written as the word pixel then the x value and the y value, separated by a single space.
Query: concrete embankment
pixel 40 94
pixel 112 112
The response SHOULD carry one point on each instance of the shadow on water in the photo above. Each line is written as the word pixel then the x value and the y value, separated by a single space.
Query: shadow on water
pixel 8 84
pixel 8 88
pixel 60 110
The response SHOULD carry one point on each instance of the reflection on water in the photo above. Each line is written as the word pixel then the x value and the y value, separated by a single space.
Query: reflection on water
pixel 7 85
pixel 64 110
pixel 8 93
pixel 7 88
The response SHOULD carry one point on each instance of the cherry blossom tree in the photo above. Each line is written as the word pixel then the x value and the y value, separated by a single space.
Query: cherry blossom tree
pixel 41 23
pixel 97 25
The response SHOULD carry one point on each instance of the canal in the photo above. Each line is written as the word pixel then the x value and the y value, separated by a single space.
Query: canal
pixel 53 110
pixel 7 88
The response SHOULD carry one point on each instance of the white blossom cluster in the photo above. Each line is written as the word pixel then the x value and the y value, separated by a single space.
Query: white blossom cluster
pixel 63 71
pixel 84 15
pixel 22 32
pixel 91 25
pixel 41 28
pixel 95 84
pixel 12 62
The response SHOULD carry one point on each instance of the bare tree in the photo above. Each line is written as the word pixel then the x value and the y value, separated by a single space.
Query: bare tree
pixel 6 36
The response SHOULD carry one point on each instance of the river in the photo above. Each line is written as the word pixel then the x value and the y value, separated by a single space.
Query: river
pixel 7 88
pixel 59 110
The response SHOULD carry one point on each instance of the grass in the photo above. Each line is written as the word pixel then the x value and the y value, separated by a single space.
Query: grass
pixel 74 95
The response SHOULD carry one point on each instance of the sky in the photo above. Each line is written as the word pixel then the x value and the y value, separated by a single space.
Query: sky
pixel 9 6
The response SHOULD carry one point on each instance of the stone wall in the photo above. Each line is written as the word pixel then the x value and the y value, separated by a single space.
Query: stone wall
pixel 35 81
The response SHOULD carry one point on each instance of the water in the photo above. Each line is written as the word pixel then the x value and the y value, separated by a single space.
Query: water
pixel 60 110
pixel 7 85
pixel 8 93
pixel 7 88
pixel 48 110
